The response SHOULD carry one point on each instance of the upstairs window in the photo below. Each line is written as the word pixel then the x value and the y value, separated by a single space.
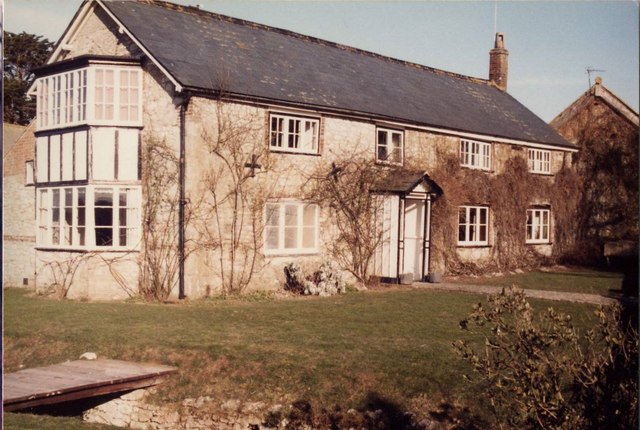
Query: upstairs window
pixel 476 155
pixel 538 222
pixel 62 99
pixel 102 94
pixel 291 228
pixel 294 134
pixel 389 146
pixel 473 225
pixel 539 161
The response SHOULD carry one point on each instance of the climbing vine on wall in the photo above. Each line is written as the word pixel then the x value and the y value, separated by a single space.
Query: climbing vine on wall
pixel 508 194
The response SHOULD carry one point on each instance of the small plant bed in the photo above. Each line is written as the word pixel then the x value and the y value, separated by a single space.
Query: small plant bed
pixel 356 350
pixel 570 280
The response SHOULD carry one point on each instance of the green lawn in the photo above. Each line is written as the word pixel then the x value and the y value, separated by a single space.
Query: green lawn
pixel 396 344
pixel 570 280
pixel 16 421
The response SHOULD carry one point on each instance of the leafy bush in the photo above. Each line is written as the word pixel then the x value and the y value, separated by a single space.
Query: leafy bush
pixel 538 372
pixel 326 281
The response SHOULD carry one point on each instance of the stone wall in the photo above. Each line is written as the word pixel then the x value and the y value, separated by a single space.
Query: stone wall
pixel 132 411
pixel 18 213
pixel 99 35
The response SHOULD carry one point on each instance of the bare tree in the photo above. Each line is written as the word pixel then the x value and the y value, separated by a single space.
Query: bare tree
pixel 160 259
pixel 230 220
pixel 348 188
pixel 62 271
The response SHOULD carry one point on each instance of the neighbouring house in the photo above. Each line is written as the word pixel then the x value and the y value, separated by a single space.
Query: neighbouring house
pixel 606 130
pixel 10 134
pixel 18 205
pixel 176 151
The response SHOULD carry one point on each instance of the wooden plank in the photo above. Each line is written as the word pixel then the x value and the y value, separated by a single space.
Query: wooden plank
pixel 77 379
pixel 10 406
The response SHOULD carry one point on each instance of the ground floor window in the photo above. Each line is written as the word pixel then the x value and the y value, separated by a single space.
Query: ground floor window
pixel 538 221
pixel 291 227
pixel 89 217
pixel 473 225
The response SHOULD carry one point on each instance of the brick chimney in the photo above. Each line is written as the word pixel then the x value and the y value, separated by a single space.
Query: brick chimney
pixel 498 63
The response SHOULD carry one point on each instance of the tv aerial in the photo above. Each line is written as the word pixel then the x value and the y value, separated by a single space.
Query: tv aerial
pixel 591 70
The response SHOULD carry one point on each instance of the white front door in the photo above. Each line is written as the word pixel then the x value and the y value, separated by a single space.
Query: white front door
pixel 414 217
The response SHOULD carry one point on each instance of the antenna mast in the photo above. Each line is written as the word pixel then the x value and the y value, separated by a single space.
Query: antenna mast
pixel 591 70
pixel 495 17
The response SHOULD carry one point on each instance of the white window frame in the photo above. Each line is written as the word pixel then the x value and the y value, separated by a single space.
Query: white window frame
pixel 539 160
pixel 46 212
pixel 472 229
pixel 538 226
pixel 281 227
pixel 475 154
pixel 29 172
pixel 387 146
pixel 284 137
pixel 60 106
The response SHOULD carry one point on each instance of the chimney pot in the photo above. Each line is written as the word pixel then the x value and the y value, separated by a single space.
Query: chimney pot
pixel 498 63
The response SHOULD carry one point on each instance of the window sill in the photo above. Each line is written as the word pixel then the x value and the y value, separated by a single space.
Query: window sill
pixel 389 163
pixel 83 125
pixel 478 169
pixel 538 243
pixel 541 173
pixel 56 184
pixel 291 254
pixel 472 246
pixel 84 250
pixel 284 151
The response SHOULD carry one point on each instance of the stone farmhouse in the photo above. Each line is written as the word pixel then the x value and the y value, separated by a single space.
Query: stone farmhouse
pixel 174 146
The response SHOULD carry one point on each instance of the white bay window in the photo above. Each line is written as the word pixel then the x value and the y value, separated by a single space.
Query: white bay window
pixel 95 94
pixel 99 217
pixel 291 228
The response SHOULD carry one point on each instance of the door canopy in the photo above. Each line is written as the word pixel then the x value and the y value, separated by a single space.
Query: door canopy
pixel 407 183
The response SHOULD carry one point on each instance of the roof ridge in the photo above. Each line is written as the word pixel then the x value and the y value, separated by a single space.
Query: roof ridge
pixel 197 11
pixel 612 94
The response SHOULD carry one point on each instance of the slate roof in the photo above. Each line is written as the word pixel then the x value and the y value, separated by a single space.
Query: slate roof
pixel 201 50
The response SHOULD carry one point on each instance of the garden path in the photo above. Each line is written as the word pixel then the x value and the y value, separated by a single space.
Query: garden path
pixel 536 294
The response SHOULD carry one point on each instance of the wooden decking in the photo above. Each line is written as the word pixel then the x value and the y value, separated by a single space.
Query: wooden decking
pixel 76 380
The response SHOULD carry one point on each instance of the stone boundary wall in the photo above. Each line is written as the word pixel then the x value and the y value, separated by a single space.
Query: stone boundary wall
pixel 132 411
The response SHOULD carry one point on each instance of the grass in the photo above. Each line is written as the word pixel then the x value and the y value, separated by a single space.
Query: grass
pixel 570 280
pixel 338 350
pixel 15 421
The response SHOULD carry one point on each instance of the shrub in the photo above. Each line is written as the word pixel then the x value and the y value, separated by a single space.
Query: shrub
pixel 326 281
pixel 538 372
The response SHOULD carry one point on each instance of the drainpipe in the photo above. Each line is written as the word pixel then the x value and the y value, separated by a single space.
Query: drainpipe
pixel 181 227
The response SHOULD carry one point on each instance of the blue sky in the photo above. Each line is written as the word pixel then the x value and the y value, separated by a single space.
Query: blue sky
pixel 550 43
